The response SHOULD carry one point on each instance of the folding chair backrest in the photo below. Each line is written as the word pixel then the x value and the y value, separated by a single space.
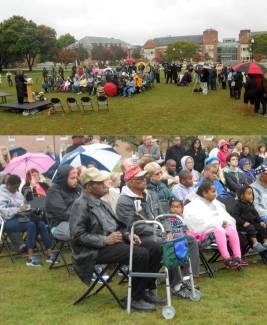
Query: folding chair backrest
pixel 2 223
pixel 56 102
pixel 87 102
pixel 72 103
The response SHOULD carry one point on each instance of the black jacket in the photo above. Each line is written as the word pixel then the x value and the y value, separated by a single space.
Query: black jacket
pixel 245 212
pixel 199 158
pixel 87 234
pixel 60 197
pixel 235 181
pixel 175 153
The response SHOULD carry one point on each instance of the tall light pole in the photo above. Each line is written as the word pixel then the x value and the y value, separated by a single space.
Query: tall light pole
pixel 252 49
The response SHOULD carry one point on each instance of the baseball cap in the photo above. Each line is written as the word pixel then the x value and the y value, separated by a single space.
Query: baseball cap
pixel 93 174
pixel 134 171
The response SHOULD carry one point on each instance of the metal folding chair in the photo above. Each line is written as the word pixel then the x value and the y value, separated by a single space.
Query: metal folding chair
pixel 60 247
pixel 56 103
pixel 105 284
pixel 87 104
pixel 73 104
pixel 102 103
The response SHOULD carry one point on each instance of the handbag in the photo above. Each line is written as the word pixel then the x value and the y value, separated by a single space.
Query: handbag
pixel 175 252
pixel 24 216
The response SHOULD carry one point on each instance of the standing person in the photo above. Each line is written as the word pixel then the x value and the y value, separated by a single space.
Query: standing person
pixel 230 80
pixel 20 86
pixel 260 96
pixel 198 154
pixel 9 79
pixel 149 148
pixel 250 92
pixel 45 75
pixel 175 73
pixel 261 156
pixel 213 78
pixel 176 152
pixel 169 73
pixel 238 79
pixel 224 152
pixel 156 72
pixel 204 79
pixel 77 141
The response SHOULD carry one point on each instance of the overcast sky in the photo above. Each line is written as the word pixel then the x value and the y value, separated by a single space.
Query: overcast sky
pixel 139 20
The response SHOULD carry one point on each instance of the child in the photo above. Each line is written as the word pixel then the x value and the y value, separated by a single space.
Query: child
pixel 249 221
pixel 185 188
pixel 206 214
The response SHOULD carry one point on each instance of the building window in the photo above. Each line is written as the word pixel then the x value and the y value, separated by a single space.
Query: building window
pixel 40 138
pixel 65 138
pixel 11 138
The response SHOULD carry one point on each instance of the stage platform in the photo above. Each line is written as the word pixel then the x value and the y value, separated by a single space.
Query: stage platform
pixel 29 108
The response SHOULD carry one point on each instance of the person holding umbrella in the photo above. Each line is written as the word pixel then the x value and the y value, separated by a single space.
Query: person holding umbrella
pixel 17 217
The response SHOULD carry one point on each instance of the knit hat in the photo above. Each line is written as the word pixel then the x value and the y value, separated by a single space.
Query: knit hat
pixel 261 169
pixel 211 160
pixel 152 168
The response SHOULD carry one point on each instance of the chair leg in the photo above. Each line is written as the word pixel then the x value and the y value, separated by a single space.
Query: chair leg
pixel 207 266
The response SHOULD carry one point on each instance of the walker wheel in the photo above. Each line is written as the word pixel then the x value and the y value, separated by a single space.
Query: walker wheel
pixel 168 312
pixel 196 297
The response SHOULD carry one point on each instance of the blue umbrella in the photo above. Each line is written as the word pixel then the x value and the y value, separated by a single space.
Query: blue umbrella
pixel 17 151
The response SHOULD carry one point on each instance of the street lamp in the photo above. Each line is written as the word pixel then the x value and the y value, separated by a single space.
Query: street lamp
pixel 252 49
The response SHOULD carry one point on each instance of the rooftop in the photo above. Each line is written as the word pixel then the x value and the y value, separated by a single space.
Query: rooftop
pixel 89 41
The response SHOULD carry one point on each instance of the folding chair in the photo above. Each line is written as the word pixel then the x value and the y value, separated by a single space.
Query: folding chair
pixel 87 104
pixel 6 245
pixel 73 104
pixel 102 103
pixel 105 284
pixel 56 103
pixel 60 247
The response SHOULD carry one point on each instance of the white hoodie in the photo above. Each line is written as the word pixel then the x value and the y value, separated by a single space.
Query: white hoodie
pixel 202 215
pixel 10 203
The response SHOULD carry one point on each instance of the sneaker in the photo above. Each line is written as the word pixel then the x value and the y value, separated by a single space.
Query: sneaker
pixel 142 305
pixel 104 276
pixel 183 293
pixel 187 283
pixel 258 248
pixel 240 261
pixel 231 264
pixel 33 262
pixel 51 259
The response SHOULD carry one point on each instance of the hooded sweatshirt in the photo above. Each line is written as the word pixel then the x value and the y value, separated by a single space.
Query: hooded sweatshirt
pixel 250 174
pixel 195 173
pixel 10 203
pixel 60 197
pixel 131 208
pixel 260 197
pixel 222 155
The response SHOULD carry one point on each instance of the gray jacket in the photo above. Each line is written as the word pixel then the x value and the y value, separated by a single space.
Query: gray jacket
pixel 260 197
pixel 155 152
pixel 10 203
pixel 131 208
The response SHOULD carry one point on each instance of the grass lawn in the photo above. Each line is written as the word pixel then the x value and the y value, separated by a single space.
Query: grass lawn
pixel 166 109
pixel 38 296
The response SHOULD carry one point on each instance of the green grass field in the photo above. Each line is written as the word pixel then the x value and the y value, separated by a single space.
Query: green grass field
pixel 39 296
pixel 166 109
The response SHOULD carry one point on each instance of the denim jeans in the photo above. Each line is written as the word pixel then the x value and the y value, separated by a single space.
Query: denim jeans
pixel 32 228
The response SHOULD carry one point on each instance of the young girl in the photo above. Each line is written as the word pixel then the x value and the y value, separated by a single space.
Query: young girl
pixel 249 221
pixel 187 163
pixel 206 214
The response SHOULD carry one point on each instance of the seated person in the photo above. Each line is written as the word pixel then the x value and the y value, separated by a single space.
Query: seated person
pixel 83 84
pixel 129 89
pixel 138 83
pixel 60 198
pixel 249 221
pixel 11 205
pixel 182 190
pixel 260 192
pixel 98 237
pixel 170 172
pixel 187 163
pixel 205 214
pixel 246 166
pixel 136 203
pixel 234 177
pixel 33 187
pixel 157 186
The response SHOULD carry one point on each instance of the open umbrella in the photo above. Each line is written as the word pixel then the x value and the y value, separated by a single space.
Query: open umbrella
pixel 17 151
pixel 250 68
pixel 130 61
pixel 20 165
pixel 104 157
pixel 110 89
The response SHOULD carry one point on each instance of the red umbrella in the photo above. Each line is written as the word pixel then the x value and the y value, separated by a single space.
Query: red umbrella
pixel 130 61
pixel 251 68
pixel 110 89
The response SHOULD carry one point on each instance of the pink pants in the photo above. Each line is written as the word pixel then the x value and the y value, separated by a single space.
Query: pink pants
pixel 222 236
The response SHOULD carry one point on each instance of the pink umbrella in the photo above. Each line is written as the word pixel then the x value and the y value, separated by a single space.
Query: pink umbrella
pixel 20 165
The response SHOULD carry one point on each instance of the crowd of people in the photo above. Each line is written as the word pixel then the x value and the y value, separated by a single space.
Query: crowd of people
pixel 219 195
pixel 129 79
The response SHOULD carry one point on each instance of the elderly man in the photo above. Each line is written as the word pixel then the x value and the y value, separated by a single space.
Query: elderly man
pixel 136 203
pixel 260 192
pixel 149 148
pixel 98 237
